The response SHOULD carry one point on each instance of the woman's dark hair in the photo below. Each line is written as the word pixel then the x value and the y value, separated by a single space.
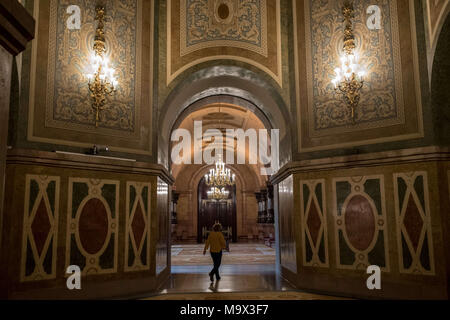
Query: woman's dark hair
pixel 217 227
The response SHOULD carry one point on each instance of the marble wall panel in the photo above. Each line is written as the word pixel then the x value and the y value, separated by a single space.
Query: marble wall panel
pixel 288 230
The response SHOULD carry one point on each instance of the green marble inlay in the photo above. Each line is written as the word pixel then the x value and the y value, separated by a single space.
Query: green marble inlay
pixel 34 191
pixel 407 259
pixel 372 188
pixel 80 191
pixel 76 258
pixel 51 189
pixel 308 252
pixel 144 252
pixel 305 197
pixel 109 193
pixel 319 195
pixel 132 199
pixel 48 259
pixel 29 263
pixel 106 260
pixel 425 254
pixel 347 256
pixel 145 198
pixel 322 250
pixel 377 255
pixel 401 192
pixel 419 187
pixel 343 189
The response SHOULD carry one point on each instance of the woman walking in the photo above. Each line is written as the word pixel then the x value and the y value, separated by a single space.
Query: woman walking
pixel 216 243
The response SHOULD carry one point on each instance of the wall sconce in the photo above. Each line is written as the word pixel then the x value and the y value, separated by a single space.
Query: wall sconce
pixel 350 76
pixel 102 81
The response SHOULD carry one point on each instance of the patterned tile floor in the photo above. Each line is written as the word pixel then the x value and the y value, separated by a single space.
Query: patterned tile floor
pixel 240 253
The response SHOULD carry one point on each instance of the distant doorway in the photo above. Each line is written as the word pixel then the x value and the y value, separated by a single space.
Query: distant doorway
pixel 211 211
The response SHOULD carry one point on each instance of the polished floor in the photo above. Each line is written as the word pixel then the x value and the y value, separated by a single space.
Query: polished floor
pixel 239 279
pixel 240 253
pixel 234 278
pixel 239 282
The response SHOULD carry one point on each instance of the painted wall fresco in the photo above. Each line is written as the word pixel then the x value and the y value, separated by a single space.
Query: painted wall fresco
pixel 288 248
pixel 382 98
pixel 314 223
pixel 40 228
pixel 162 245
pixel 92 225
pixel 69 103
pixel 412 212
pixel 59 97
pixel 390 96
pixel 360 220
pixel 137 235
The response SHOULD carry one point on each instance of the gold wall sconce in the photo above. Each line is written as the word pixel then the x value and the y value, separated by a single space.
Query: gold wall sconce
pixel 349 78
pixel 102 81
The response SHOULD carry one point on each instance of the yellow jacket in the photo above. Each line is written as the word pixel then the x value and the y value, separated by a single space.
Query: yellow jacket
pixel 216 241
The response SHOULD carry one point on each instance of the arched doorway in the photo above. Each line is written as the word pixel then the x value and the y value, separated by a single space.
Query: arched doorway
pixel 189 176
pixel 211 211
pixel 223 101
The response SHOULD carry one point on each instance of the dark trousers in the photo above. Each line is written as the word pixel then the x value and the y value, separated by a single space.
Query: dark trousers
pixel 217 259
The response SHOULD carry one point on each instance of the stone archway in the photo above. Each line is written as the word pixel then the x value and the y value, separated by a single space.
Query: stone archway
pixel 247 183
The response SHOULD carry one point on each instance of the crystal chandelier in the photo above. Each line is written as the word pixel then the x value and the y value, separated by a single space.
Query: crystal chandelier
pixel 102 81
pixel 220 176
pixel 350 76
pixel 218 194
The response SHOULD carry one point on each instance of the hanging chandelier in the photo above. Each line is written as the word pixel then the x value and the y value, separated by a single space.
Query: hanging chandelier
pixel 102 81
pixel 218 194
pixel 349 78
pixel 220 176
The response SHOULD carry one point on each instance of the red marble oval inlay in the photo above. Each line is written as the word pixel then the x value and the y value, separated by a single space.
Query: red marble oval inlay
pixel 93 226
pixel 359 223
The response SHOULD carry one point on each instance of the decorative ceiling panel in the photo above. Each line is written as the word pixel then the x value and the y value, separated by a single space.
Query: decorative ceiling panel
pixel 247 31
